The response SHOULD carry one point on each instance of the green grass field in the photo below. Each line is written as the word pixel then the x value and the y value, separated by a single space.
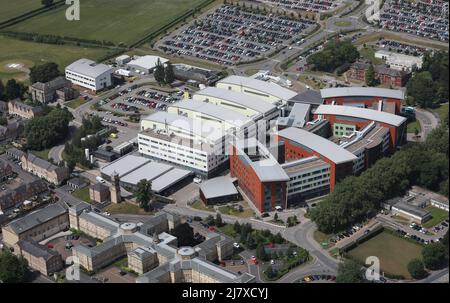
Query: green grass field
pixel 29 54
pixel 82 194
pixel 126 208
pixel 11 9
pixel 437 216
pixel 442 111
pixel 369 54
pixel 41 153
pixel 111 20
pixel 75 103
pixel 394 252
pixel 412 125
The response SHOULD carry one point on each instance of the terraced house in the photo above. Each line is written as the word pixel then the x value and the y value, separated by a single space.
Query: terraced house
pixel 44 169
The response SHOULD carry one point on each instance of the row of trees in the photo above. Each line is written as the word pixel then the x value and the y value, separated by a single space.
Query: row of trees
pixel 164 74
pixel 46 131
pixel 358 198
pixel 335 54
pixel 429 86
pixel 12 90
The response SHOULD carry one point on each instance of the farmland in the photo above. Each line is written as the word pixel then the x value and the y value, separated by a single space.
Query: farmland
pixel 11 9
pixel 28 54
pixel 109 20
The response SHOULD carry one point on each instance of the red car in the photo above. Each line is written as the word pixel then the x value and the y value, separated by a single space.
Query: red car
pixel 212 229
pixel 50 246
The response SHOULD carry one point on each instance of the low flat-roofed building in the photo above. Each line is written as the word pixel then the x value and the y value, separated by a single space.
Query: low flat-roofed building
pixel 105 155
pixel 434 199
pixel 414 213
pixel 123 59
pixel 37 225
pixel 311 97
pixel 218 190
pixel 264 90
pixel 400 61
pixel 77 183
pixel 123 166
pixel 39 257
pixel 146 64
pixel 298 116
pixel 185 72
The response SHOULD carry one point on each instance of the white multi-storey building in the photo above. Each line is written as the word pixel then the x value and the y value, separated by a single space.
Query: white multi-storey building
pixel 87 73
pixel 194 144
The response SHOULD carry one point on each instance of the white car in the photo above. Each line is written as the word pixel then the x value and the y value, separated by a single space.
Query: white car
pixel 272 262
pixel 197 180
pixel 236 245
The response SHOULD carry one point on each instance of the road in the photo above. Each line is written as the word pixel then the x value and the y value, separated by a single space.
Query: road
pixel 428 121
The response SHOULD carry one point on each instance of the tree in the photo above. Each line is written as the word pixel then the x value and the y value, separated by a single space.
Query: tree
pixel 237 227
pixel 2 89
pixel 435 256
pixel 421 89
pixel 169 75
pixel 13 90
pixel 47 2
pixel 275 217
pixel 159 72
pixel 44 72
pixel 3 121
pixel 416 132
pixel 370 76
pixel 144 194
pixel 349 272
pixel 416 269
pixel 261 252
pixel 12 269
pixel 250 241
pixel 218 221
pixel 334 54
pixel 270 273
pixel 210 220
pixel 185 234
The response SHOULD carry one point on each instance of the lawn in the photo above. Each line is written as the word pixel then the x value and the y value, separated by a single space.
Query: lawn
pixel 343 23
pixel 28 54
pixel 111 20
pixel 437 216
pixel 412 125
pixel 41 153
pixel 228 229
pixel 369 54
pixel 126 208
pixel 11 9
pixel 246 213
pixel 200 206
pixel 82 194
pixel 75 103
pixel 442 111
pixel 323 239
pixel 394 252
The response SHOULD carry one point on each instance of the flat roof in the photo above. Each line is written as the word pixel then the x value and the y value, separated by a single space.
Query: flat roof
pixel 216 111
pixel 411 209
pixel 267 87
pixel 292 168
pixel 124 165
pixel 147 62
pixel 267 167
pixel 88 68
pixel 199 128
pixel 308 97
pixel 218 187
pixel 319 144
pixel 362 91
pixel 169 178
pixel 149 171
pixel 362 113
pixel 242 99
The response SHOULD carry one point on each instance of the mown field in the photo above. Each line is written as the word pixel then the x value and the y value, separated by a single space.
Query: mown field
pixel 110 20
pixel 10 9
pixel 393 252
pixel 13 51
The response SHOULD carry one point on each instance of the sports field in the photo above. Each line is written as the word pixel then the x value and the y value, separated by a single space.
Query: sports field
pixel 10 9
pixel 17 56
pixel 394 252
pixel 110 20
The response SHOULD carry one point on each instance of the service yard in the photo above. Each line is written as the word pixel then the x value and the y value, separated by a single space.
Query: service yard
pixel 229 34
pixel 393 252
pixel 117 21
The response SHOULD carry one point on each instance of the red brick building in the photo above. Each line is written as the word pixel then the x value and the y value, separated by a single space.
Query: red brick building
pixel 362 117
pixel 384 74
pixel 366 97
pixel 260 177
pixel 299 143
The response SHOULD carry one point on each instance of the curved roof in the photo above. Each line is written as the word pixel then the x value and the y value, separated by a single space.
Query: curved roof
pixel 362 113
pixel 318 144
pixel 242 99
pixel 362 91
pixel 267 87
